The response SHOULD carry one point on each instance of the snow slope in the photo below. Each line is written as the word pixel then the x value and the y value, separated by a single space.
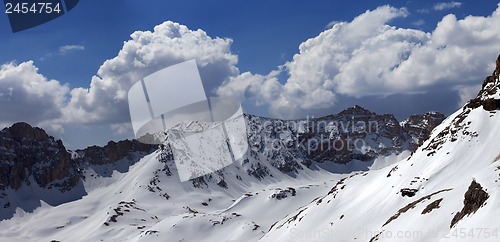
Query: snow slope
pixel 461 153
pixel 149 202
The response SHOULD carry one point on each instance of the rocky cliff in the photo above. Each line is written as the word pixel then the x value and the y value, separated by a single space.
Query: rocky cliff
pixel 112 152
pixel 353 134
pixel 27 152
pixel 489 96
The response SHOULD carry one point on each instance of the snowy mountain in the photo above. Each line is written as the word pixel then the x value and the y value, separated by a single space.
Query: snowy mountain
pixel 447 190
pixel 107 183
pixel 353 176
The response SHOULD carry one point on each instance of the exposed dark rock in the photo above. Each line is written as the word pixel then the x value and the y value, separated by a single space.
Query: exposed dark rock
pixel 287 145
pixel 490 87
pixel 410 192
pixel 113 152
pixel 199 182
pixel 376 237
pixel 474 198
pixel 256 226
pixel 412 205
pixel 281 194
pixel 29 152
pixel 222 184
pixel 491 104
pixel 122 208
pixel 421 126
pixel 432 206
pixel 394 169
pixel 451 132
pixel 259 171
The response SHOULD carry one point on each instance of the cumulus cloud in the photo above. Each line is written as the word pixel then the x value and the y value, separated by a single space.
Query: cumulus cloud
pixel 247 86
pixel 467 93
pixel 27 95
pixel 368 57
pixel 332 23
pixel 70 48
pixel 105 101
pixel 446 5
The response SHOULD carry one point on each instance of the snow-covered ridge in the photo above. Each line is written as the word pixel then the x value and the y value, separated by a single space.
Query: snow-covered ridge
pixel 130 191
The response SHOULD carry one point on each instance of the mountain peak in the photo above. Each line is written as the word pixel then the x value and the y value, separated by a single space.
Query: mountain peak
pixel 22 130
pixel 356 110
pixel 28 154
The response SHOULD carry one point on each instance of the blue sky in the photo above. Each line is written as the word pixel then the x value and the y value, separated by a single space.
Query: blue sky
pixel 262 35
pixel 265 33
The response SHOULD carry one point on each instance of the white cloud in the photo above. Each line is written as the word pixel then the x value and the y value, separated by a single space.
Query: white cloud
pixel 321 59
pixel 419 22
pixel 260 89
pixel 121 128
pixel 148 51
pixel 423 10
pixel 367 57
pixel 331 24
pixel 70 48
pixel 446 5
pixel 467 93
pixel 26 95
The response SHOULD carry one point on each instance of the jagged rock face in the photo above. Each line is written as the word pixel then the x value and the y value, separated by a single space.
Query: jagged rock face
pixel 421 126
pixel 113 152
pixel 353 134
pixel 489 96
pixel 474 198
pixel 29 152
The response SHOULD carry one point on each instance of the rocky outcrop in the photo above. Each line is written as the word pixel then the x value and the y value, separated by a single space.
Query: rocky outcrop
pixel 29 154
pixel 420 127
pixel 489 96
pixel 113 151
pixel 353 134
pixel 474 198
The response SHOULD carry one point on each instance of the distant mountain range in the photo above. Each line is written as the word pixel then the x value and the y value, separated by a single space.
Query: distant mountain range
pixel 29 156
